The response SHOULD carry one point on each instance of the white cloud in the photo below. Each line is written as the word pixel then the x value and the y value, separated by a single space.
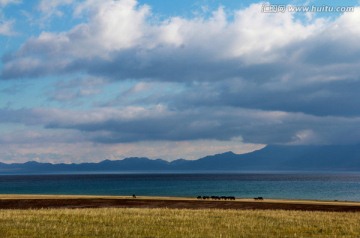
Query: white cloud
pixel 348 24
pixel 4 3
pixel 305 137
pixel 52 8
pixel 121 39
pixel 114 27
pixel 258 37
pixel 6 28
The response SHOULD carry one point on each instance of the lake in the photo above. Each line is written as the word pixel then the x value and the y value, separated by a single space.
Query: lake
pixel 318 186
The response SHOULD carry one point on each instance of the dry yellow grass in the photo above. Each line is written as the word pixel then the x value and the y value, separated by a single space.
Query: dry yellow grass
pixel 132 222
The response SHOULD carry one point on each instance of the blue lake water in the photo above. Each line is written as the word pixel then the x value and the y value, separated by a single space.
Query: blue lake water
pixel 345 186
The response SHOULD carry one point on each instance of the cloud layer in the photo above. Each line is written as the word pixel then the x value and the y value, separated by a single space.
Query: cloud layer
pixel 264 78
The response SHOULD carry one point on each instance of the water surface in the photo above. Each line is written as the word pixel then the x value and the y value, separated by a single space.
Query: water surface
pixel 323 186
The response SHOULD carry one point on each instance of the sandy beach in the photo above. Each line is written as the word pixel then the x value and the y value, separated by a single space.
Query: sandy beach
pixel 68 201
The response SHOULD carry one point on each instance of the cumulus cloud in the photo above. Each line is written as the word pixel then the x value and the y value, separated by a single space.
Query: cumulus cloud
pixel 121 37
pixel 120 40
pixel 261 55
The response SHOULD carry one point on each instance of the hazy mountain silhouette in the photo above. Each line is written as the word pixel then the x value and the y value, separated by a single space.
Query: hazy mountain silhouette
pixel 270 158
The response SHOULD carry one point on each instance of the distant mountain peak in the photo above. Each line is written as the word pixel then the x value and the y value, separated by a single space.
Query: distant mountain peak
pixel 269 158
pixel 32 162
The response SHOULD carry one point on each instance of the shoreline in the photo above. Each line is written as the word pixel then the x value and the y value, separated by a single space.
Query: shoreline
pixel 26 201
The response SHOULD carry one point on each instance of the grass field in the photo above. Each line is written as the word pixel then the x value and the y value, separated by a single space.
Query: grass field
pixel 135 222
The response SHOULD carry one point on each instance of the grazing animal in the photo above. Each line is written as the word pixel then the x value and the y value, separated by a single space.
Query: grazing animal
pixel 218 197
pixel 134 196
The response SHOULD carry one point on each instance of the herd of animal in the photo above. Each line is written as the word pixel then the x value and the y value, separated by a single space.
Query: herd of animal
pixel 217 197
pixel 259 198
pixel 224 197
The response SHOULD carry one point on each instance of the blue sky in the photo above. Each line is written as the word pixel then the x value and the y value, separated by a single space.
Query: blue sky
pixel 92 80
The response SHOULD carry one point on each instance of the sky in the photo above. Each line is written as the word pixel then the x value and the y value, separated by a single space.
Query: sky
pixel 88 80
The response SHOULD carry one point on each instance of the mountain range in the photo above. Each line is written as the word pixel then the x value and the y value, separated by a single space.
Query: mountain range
pixel 270 158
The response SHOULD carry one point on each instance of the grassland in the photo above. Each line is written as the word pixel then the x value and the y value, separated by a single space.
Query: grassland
pixel 162 222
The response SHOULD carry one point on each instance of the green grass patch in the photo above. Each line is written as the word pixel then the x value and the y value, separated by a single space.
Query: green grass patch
pixel 134 222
